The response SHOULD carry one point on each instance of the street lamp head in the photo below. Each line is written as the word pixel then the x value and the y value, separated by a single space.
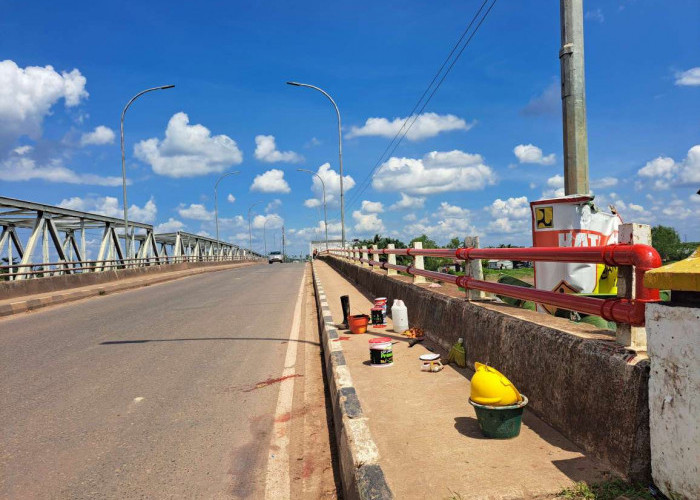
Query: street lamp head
pixel 166 87
pixel 295 84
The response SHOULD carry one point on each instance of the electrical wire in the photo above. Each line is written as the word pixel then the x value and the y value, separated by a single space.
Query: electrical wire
pixel 413 116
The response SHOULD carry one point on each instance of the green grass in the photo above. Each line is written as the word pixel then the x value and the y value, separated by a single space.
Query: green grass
pixel 523 272
pixel 608 490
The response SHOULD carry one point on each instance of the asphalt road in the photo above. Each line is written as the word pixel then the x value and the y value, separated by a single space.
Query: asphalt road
pixel 161 392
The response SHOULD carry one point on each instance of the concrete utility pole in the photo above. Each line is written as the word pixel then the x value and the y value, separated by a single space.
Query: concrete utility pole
pixel 283 257
pixel 573 98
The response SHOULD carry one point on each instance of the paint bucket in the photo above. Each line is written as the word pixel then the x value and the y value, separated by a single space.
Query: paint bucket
pixel 500 422
pixel 358 323
pixel 381 302
pixel 378 318
pixel 380 352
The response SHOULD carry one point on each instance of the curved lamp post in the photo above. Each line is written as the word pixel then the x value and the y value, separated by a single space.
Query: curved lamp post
pixel 250 228
pixel 340 154
pixel 325 214
pixel 126 217
pixel 216 210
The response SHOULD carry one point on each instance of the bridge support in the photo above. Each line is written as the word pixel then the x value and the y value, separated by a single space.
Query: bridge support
pixel 633 336
pixel 391 259
pixel 418 262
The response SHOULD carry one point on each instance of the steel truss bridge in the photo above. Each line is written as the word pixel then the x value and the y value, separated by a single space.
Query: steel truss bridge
pixel 61 233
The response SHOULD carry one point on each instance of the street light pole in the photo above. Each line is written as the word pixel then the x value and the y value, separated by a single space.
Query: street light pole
pixel 126 216
pixel 216 210
pixel 340 154
pixel 250 228
pixel 325 214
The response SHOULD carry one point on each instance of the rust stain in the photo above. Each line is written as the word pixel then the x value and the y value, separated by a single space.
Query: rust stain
pixel 270 381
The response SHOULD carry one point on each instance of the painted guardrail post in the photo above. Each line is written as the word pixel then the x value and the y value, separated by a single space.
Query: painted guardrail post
pixel 473 268
pixel 633 336
pixel 365 255
pixel 418 262
pixel 375 256
pixel 355 256
pixel 391 259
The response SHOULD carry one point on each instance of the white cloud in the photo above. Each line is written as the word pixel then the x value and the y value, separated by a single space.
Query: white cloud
pixel 109 206
pixel 170 226
pixel 331 179
pixel 266 150
pixel 509 216
pixel 547 103
pixel 273 205
pixel 101 135
pixel 271 181
pixel 188 150
pixel 410 217
pixel 367 223
pixel 556 187
pixel 408 202
pixel 372 207
pixel 604 183
pixel 195 211
pixel 451 211
pixel 664 172
pixel 312 203
pixel 426 125
pixel 20 167
pixel 436 172
pixel 230 198
pixel 270 221
pixel 689 77
pixel 28 94
pixel 528 153
pixel 595 15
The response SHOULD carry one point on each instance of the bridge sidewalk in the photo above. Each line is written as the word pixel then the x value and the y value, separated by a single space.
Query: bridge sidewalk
pixel 429 442
pixel 17 305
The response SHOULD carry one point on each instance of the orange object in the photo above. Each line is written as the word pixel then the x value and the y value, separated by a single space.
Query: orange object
pixel 358 323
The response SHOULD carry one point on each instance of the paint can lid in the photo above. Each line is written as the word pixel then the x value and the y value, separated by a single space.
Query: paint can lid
pixel 380 340
pixel 429 357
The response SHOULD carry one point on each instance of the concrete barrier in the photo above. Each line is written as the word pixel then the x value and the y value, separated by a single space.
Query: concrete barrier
pixel 362 477
pixel 35 286
pixel 577 379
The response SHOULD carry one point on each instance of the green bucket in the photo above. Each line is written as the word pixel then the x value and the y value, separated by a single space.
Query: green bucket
pixel 500 422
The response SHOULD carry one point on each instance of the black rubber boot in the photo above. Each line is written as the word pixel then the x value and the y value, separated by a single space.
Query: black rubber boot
pixel 345 305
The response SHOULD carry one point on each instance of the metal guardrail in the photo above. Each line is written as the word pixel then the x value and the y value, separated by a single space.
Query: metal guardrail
pixel 77 267
pixel 620 310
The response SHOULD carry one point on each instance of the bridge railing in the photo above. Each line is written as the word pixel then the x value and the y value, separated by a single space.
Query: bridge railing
pixel 45 269
pixel 625 310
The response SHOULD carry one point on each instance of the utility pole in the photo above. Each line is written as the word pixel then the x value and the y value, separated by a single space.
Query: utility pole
pixel 283 257
pixel 573 98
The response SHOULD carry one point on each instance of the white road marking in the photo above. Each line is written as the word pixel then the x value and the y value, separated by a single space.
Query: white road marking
pixel 138 400
pixel 277 483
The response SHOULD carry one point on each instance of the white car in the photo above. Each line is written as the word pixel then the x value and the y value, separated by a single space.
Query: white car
pixel 275 257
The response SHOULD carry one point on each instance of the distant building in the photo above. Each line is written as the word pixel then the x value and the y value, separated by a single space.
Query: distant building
pixel 500 264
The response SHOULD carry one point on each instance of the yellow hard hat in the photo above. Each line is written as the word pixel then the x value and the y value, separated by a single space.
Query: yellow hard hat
pixel 491 387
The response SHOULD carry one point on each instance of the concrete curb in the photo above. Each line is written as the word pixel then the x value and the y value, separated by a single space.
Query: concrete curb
pixel 361 475
pixel 30 304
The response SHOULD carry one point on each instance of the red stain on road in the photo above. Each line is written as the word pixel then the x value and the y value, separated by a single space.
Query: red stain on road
pixel 270 381
pixel 341 338
pixel 308 467
pixel 283 418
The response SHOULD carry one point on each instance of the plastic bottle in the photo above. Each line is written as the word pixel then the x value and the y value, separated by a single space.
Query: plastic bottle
pixel 399 315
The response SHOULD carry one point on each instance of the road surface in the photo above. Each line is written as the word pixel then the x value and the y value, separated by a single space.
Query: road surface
pixel 169 391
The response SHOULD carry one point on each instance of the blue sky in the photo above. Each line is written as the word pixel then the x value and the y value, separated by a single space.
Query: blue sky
pixel 59 126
